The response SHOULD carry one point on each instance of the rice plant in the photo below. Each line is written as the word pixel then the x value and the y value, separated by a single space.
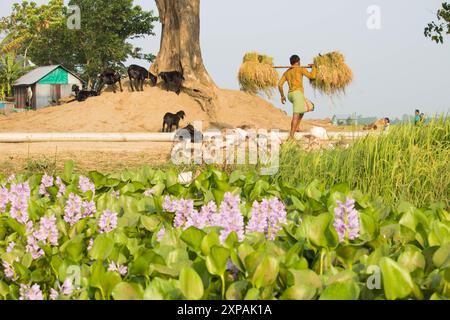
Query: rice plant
pixel 408 163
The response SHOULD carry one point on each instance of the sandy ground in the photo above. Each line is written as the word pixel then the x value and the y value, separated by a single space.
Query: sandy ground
pixel 144 111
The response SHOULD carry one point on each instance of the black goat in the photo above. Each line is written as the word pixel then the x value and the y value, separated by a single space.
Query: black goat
pixel 137 76
pixel 109 77
pixel 172 80
pixel 171 120
pixel 82 95
pixel 187 133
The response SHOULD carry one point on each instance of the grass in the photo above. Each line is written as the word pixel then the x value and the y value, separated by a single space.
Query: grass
pixel 409 163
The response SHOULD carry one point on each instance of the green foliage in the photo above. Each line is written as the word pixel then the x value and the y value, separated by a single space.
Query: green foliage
pixel 437 29
pixel 409 246
pixel 11 69
pixel 103 40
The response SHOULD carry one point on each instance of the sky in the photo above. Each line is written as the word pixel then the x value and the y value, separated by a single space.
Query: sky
pixel 396 68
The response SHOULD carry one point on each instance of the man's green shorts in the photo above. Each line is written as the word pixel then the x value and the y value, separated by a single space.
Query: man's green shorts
pixel 298 100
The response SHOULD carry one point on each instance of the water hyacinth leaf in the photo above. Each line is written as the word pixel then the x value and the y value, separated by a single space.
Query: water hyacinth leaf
pixel 191 284
pixel 346 290
pixel 151 223
pixel 397 281
pixel 304 277
pixel 313 192
pixel 102 247
pixel 74 248
pixel 440 234
pixel 319 230
pixel 299 292
pixel 4 289
pixel 27 259
pixel 298 204
pixel 235 176
pixel 216 261
pixel 237 290
pixel 16 226
pixel 98 179
pixel 252 294
pixel 266 273
pixel 368 227
pixel 441 258
pixel 178 259
pixel 412 258
pixel 193 237
pixel 141 265
pixel 171 178
pixel 343 276
pixel 210 240
pixel 127 291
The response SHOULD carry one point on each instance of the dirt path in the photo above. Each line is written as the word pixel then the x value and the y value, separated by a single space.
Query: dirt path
pixel 105 157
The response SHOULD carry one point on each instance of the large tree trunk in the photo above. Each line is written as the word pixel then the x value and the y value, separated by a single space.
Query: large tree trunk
pixel 180 50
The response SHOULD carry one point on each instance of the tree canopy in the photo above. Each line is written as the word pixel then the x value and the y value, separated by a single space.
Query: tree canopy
pixel 437 29
pixel 41 33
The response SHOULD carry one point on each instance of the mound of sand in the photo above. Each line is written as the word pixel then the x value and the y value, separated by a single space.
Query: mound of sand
pixel 144 111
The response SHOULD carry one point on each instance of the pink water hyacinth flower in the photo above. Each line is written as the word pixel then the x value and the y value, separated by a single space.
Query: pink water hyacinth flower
pixel 108 221
pixel 67 287
pixel 85 185
pixel 149 193
pixel 160 234
pixel 10 246
pixel 90 244
pixel 8 270
pixel 48 231
pixel 258 219
pixel 231 218
pixel 53 294
pixel 182 208
pixel 46 182
pixel 61 187
pixel 277 217
pixel 168 205
pixel 346 220
pixel 72 211
pixel 122 270
pixel 202 219
pixel 33 247
pixel 88 209
pixel 115 194
pixel 4 199
pixel 18 196
pixel 33 293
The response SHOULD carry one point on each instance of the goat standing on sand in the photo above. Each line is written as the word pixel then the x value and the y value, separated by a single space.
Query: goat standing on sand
pixel 110 77
pixel 82 95
pixel 137 76
pixel 171 120
pixel 172 80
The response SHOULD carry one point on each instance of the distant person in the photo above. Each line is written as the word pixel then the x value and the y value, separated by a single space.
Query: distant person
pixel 387 124
pixel 294 77
pixel 423 120
pixel 417 118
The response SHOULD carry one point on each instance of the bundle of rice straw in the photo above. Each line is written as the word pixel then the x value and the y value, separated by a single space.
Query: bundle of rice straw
pixel 257 74
pixel 333 74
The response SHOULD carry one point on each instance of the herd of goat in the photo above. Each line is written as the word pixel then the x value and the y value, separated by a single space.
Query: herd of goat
pixel 137 75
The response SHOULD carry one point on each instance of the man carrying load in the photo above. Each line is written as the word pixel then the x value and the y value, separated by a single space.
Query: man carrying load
pixel 294 78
